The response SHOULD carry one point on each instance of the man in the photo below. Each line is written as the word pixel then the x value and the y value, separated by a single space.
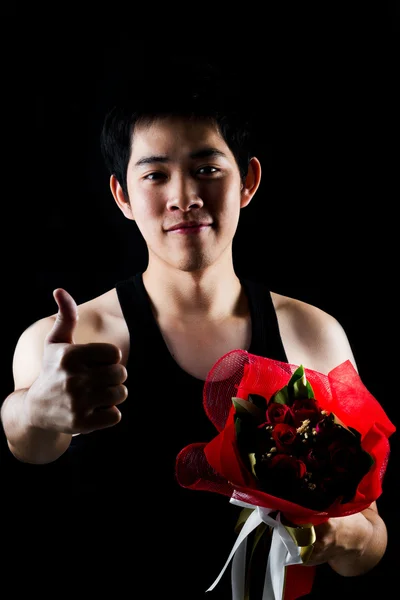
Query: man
pixel 109 391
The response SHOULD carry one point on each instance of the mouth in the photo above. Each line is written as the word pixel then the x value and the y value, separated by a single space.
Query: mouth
pixel 190 229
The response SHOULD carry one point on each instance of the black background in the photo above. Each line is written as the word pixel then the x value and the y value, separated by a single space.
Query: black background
pixel 321 226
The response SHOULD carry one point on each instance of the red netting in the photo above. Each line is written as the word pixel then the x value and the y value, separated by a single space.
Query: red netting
pixel 216 466
pixel 193 470
pixel 234 368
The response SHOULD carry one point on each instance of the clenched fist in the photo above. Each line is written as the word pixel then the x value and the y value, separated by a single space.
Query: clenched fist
pixel 80 385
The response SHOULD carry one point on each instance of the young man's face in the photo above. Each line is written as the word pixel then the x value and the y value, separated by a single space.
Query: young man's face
pixel 183 171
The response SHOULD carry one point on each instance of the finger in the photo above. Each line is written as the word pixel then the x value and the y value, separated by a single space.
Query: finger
pixel 101 419
pixel 108 396
pixel 107 375
pixel 91 355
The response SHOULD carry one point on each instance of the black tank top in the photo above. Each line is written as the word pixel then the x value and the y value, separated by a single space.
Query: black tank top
pixel 198 525
pixel 193 532
pixel 151 365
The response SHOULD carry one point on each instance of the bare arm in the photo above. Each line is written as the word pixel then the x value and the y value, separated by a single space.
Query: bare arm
pixel 354 544
pixel 61 387
pixel 27 443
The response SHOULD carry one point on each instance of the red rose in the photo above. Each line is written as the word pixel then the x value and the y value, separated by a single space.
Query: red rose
pixel 280 474
pixel 306 408
pixel 284 436
pixel 279 413
pixel 344 457
pixel 326 428
pixel 337 485
pixel 288 466
pixel 317 459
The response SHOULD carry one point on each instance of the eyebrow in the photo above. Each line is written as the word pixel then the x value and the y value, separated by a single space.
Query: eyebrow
pixel 162 158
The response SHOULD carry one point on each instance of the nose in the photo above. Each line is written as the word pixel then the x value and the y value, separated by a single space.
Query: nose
pixel 183 195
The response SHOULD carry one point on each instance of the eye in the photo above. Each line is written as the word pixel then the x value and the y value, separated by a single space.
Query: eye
pixel 208 170
pixel 154 176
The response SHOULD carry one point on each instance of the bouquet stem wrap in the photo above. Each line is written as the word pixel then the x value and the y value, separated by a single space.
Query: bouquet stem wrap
pixel 289 546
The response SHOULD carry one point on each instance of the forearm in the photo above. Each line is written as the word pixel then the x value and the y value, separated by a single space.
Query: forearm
pixel 369 553
pixel 29 444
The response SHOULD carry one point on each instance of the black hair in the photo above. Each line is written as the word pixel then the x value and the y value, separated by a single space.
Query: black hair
pixel 186 88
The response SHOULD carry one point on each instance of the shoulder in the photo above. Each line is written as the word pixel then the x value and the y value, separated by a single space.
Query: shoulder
pixel 310 335
pixel 94 316
pixel 100 320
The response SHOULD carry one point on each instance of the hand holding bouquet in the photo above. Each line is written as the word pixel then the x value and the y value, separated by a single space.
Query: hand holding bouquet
pixel 295 448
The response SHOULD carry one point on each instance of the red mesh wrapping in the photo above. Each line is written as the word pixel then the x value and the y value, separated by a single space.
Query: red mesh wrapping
pixel 216 466
pixel 193 470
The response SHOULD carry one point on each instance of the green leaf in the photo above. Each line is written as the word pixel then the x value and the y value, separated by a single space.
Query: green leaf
pixel 259 401
pixel 281 396
pixel 356 433
pixel 301 390
pixel 244 430
pixel 340 423
pixel 252 461
pixel 238 427
pixel 244 407
pixel 299 387
pixel 369 458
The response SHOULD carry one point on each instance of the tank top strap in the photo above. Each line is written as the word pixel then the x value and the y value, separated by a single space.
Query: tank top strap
pixel 266 338
pixel 133 305
pixel 142 327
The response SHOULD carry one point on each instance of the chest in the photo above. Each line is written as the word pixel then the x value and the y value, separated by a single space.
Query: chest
pixel 196 349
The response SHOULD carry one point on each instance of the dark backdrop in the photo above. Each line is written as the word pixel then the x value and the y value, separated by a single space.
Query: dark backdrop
pixel 316 229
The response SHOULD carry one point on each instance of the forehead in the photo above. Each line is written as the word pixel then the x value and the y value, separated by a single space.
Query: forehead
pixel 176 136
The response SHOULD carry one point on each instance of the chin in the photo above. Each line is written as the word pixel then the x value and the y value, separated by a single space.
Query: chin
pixel 188 262
pixel 191 264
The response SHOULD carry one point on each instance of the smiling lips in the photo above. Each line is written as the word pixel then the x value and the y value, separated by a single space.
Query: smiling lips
pixel 189 227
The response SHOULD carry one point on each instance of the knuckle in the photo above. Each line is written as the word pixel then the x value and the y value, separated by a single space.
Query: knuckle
pixel 74 422
pixel 117 393
pixel 77 415
pixel 65 350
pixel 70 384
pixel 64 356
pixel 114 393
pixel 359 549
pixel 119 372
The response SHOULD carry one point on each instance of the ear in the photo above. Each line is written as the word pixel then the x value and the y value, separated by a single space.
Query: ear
pixel 120 198
pixel 252 181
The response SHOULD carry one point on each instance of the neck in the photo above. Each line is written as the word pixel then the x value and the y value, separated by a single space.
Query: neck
pixel 213 294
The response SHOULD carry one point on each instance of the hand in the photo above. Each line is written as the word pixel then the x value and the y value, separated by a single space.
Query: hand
pixel 339 537
pixel 80 385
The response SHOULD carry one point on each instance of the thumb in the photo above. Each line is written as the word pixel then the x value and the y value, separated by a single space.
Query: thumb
pixel 67 318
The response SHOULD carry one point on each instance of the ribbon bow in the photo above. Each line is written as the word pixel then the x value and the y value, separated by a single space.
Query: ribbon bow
pixel 289 546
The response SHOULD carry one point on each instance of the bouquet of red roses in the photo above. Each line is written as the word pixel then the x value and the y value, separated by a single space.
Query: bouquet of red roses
pixel 295 448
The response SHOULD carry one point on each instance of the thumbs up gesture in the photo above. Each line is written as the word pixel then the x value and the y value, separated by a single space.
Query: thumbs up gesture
pixel 67 318
pixel 80 385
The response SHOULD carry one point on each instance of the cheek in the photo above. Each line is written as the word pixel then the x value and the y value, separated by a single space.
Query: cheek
pixel 229 210
pixel 222 195
pixel 146 206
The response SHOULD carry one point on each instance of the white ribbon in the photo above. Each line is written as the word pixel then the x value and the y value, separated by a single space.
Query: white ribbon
pixel 283 552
